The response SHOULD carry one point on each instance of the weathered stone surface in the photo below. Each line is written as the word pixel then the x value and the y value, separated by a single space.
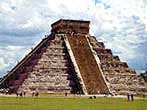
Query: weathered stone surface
pixel 87 64
pixel 47 70
pixel 72 61
pixel 70 26
pixel 144 76
pixel 120 78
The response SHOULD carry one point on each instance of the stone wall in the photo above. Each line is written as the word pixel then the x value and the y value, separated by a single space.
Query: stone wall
pixel 144 76
pixel 53 72
pixel 120 78
pixel 70 26
pixel 48 70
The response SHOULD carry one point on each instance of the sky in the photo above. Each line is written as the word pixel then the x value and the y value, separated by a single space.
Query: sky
pixel 120 24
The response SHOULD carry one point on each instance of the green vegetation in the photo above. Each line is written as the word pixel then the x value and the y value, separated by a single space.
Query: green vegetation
pixel 70 103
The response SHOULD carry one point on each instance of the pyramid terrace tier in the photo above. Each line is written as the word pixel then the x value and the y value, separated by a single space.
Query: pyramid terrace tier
pixel 69 60
pixel 107 58
pixel 52 69
pixel 103 51
pixel 119 71
pixel 118 75
pixel 94 43
pixel 116 64
pixel 121 79
pixel 48 65
pixel 121 89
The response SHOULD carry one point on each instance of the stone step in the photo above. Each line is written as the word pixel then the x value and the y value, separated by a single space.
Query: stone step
pixel 57 70
pixel 50 75
pixel 56 43
pixel 120 81
pixel 56 47
pixel 53 67
pixel 129 87
pixel 118 70
pixel 53 57
pixel 49 81
pixel 103 51
pixel 49 89
pixel 46 65
pixel 55 50
pixel 53 54
pixel 106 57
pixel 119 74
pixel 50 61
pixel 114 65
pixel 95 43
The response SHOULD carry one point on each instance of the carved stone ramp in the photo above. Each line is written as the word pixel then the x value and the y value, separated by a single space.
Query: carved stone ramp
pixel 87 64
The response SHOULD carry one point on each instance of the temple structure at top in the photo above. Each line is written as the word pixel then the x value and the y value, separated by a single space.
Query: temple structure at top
pixel 70 26
pixel 70 60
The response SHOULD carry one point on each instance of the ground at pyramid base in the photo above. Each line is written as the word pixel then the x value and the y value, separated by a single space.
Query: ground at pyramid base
pixel 70 60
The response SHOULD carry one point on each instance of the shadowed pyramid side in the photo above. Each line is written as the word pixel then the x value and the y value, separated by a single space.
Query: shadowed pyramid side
pixel 48 69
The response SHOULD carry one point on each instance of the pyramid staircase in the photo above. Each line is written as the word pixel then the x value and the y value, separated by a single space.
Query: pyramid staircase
pixel 87 64
pixel 71 61
pixel 47 68
pixel 120 78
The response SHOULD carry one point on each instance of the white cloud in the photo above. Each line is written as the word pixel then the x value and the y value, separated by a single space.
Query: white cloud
pixel 2 63
pixel 123 28
pixel 10 56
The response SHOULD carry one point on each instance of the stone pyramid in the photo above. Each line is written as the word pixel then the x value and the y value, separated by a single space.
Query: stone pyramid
pixel 70 60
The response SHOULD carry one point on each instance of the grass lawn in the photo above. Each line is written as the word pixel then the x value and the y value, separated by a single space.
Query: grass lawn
pixel 71 103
